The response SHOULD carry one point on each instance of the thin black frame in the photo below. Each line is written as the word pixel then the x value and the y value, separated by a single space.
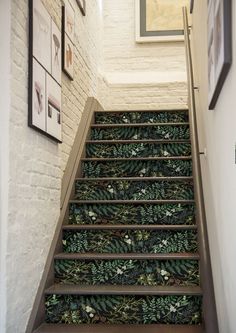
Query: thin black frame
pixel 82 7
pixel 63 45
pixel 227 26
pixel 191 6
pixel 30 78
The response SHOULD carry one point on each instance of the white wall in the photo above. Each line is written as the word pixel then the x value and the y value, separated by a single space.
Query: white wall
pixel 5 25
pixel 36 163
pixel 218 134
pixel 139 76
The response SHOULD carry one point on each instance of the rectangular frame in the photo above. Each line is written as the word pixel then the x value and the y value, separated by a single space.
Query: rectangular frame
pixel 40 68
pixel 143 36
pixel 219 47
pixel 67 45
pixel 82 6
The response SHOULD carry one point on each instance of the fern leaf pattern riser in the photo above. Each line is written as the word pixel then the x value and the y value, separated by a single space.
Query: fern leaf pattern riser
pixel 168 214
pixel 165 168
pixel 141 117
pixel 128 272
pixel 134 190
pixel 129 150
pixel 130 241
pixel 123 309
pixel 140 133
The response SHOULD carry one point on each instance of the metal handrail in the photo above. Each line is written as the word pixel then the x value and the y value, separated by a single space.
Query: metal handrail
pixel 209 304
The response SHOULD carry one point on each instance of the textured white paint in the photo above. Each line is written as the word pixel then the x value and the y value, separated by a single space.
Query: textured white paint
pixel 218 134
pixel 5 21
pixel 37 163
pixel 145 73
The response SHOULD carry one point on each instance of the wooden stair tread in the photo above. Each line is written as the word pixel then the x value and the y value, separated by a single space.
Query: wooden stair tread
pixel 126 256
pixel 128 227
pixel 135 179
pixel 115 159
pixel 138 125
pixel 63 289
pixel 137 141
pixel 147 111
pixel 132 201
pixel 101 328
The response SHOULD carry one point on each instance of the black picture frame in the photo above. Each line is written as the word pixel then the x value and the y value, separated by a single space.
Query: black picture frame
pixel 191 6
pixel 31 60
pixel 63 38
pixel 82 6
pixel 220 41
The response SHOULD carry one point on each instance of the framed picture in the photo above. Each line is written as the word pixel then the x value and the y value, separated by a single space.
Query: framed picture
pixel 159 20
pixel 68 57
pixel 69 20
pixel 191 6
pixel 219 47
pixel 82 6
pixel 68 23
pixel 44 71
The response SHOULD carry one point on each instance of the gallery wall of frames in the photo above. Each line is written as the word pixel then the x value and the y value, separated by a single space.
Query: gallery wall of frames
pixel 51 49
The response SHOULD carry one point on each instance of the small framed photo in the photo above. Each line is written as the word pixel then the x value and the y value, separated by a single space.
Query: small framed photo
pixel 69 20
pixel 219 47
pixel 82 6
pixel 68 57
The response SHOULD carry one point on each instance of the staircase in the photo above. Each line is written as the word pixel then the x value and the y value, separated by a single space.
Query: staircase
pixel 130 259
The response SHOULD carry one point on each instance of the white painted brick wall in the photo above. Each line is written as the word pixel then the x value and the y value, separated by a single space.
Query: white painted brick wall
pixel 37 163
pixel 142 67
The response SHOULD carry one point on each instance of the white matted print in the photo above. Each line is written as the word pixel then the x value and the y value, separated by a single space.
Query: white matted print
pixel 39 96
pixel 56 52
pixel 69 20
pixel 42 35
pixel 68 58
pixel 53 103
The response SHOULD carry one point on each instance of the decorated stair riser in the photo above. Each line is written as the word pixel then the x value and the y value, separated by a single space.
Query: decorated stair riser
pixel 163 214
pixel 128 272
pixel 129 150
pixel 134 190
pixel 165 168
pixel 123 309
pixel 158 132
pixel 141 117
pixel 130 241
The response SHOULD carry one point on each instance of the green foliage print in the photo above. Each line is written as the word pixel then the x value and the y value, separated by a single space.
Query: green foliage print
pixel 129 150
pixel 130 241
pixel 134 190
pixel 128 272
pixel 141 117
pixel 168 214
pixel 140 168
pixel 70 309
pixel 160 132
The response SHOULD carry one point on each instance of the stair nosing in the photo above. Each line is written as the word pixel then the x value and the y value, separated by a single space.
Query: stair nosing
pixel 135 178
pixel 131 111
pixel 132 201
pixel 111 125
pixel 128 227
pixel 126 256
pixel 64 289
pixel 102 159
pixel 137 141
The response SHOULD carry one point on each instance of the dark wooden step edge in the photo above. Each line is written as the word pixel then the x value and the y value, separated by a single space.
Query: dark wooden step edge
pixel 62 289
pixel 137 141
pixel 112 328
pixel 144 111
pixel 138 125
pixel 135 202
pixel 127 256
pixel 127 159
pixel 76 227
pixel 134 179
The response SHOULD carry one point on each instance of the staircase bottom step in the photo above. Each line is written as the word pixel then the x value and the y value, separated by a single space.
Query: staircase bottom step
pixel 59 328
